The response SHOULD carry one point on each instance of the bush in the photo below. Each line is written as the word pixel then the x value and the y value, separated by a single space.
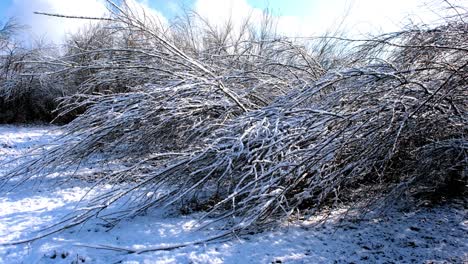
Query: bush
pixel 256 139
pixel 27 91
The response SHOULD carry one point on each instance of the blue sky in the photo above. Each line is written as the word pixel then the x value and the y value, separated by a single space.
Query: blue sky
pixel 4 4
pixel 295 17
pixel 286 7
pixel 283 7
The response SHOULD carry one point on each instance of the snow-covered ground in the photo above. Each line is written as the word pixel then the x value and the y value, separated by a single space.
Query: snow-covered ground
pixel 429 235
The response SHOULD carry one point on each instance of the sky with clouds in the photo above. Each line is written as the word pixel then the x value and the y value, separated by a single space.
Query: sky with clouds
pixel 295 17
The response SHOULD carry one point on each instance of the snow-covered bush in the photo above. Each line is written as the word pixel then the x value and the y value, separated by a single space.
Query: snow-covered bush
pixel 28 92
pixel 259 132
pixel 160 91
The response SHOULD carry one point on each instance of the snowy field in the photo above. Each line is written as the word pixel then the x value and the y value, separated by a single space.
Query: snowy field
pixel 429 235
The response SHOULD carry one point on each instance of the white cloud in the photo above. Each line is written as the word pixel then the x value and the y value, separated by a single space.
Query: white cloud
pixel 217 12
pixel 143 10
pixel 364 16
pixel 361 16
pixel 51 28
pixel 371 16
pixel 54 29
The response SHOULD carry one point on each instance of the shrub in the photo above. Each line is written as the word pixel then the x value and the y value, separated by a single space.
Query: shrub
pixel 27 91
pixel 256 139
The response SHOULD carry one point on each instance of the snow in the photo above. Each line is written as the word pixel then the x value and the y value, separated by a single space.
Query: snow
pixel 428 235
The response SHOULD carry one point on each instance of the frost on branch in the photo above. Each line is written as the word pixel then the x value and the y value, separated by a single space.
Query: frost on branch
pixel 256 131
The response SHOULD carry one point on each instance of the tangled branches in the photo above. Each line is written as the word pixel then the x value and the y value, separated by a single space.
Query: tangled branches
pixel 292 141
pixel 154 90
pixel 27 93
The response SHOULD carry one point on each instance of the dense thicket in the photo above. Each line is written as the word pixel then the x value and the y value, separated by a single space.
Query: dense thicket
pixel 254 129
pixel 26 95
